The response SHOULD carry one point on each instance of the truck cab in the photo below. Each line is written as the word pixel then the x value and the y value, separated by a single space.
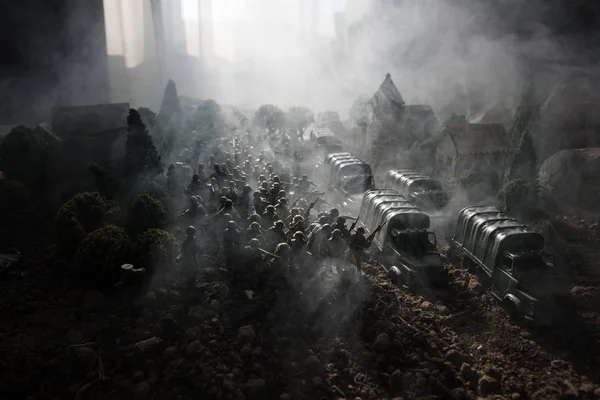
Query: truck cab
pixel 348 177
pixel 425 192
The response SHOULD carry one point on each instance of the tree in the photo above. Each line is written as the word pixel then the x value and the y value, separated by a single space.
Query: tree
pixel 170 109
pixel 524 164
pixel 140 153
pixel 527 112
pixel 85 212
pixel 23 154
pixel 269 117
pixel 208 120
pixel 298 118
pixel 515 194
pixel 154 248
pixel 146 213
pixel 101 254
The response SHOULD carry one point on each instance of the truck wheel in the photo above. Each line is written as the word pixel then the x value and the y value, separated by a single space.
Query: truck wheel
pixel 513 311
pixel 468 265
pixel 395 276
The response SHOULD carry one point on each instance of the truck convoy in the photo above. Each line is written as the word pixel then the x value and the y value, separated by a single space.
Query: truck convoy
pixel 421 190
pixel 347 177
pixel 403 239
pixel 509 258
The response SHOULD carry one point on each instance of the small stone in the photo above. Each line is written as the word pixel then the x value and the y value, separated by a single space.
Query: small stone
pixel 150 297
pixel 312 362
pixel 467 372
pixel 228 386
pixel 396 379
pixel 426 306
pixel 455 357
pixel 382 342
pixel 170 352
pixel 587 388
pixel 193 347
pixel 515 396
pixel 493 372
pixel 597 393
pixel 442 309
pixel 488 385
pixel 256 386
pixel 94 300
pixel 559 364
pixel 141 391
pixel 570 392
pixel 474 285
pixel 246 334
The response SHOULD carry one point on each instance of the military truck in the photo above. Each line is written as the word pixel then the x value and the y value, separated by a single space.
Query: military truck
pixel 423 191
pixel 401 233
pixel 509 258
pixel 347 177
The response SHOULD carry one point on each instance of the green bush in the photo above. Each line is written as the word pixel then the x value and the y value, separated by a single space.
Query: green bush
pixel 84 213
pixel 146 213
pixel 154 248
pixel 158 192
pixel 102 252
pixel 515 194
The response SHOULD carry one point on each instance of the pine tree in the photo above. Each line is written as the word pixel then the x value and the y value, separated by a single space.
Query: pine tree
pixel 140 152
pixel 170 109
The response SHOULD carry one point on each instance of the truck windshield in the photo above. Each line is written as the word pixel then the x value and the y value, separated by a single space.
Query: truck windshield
pixel 529 262
pixel 415 243
pixel 426 186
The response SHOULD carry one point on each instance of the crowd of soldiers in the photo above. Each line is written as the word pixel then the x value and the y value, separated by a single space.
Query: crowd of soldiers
pixel 264 233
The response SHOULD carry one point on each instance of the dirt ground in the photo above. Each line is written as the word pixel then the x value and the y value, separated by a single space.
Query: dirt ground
pixel 370 341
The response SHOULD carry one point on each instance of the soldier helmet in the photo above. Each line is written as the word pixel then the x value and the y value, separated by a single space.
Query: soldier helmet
pixel 334 212
pixel 282 249
pixel 270 208
pixel 193 201
pixel 304 177
pixel 199 198
pixel 255 226
pixel 294 211
pixel 232 183
pixel 247 189
pixel 195 178
pixel 262 177
pixel 275 178
pixel 279 224
pixel 190 231
pixel 295 179
pixel 360 230
pixel 276 185
pixel 282 193
pixel 297 218
pixel 200 166
pixel 283 200
pixel 171 167
pixel 341 220
pixel 229 203
pixel 227 217
pixel 231 225
pixel 336 233
pixel 255 243
pixel 299 235
pixel 222 199
pixel 255 218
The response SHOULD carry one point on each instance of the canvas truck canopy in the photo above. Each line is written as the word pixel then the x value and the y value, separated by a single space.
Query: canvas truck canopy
pixel 465 218
pixel 329 157
pixel 344 170
pixel 419 185
pixel 401 219
pixel 371 209
pixel 392 176
pixel 338 159
pixel 369 196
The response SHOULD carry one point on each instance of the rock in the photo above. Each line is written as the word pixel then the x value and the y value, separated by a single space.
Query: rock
pixel 382 342
pixel 312 362
pixel 587 388
pixel 570 392
pixel 455 357
pixel 94 300
pixel 141 391
pixel 74 337
pixel 565 179
pixel 256 387
pixel 317 381
pixel 559 364
pixel 396 379
pixel 246 334
pixel 467 372
pixel 193 348
pixel 150 297
pixel 86 357
pixel 442 309
pixel 597 393
pixel 515 396
pixel 170 352
pixel 228 386
pixel 488 385
pixel 492 371
pixel 426 306
pixel 475 285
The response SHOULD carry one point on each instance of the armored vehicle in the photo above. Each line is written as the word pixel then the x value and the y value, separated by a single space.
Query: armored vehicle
pixel 509 258
pixel 423 191
pixel 347 177
pixel 401 232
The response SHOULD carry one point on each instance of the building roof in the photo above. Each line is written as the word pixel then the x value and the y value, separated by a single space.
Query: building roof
pixel 84 120
pixel 387 94
pixel 481 138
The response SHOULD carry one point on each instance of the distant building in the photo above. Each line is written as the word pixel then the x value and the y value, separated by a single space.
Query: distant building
pixel 398 135
pixel 68 122
pixel 484 149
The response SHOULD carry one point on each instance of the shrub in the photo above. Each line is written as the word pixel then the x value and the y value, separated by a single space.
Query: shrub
pixel 154 248
pixel 146 213
pixel 102 252
pixel 515 193
pixel 157 192
pixel 84 213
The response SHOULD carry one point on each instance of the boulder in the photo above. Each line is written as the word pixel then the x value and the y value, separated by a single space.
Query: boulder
pixel 568 181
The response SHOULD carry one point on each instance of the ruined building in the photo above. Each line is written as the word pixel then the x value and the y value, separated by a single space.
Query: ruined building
pixel 398 135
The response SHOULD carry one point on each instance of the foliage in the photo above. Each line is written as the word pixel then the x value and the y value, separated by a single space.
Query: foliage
pixel 156 191
pixel 298 118
pixel 515 193
pixel 526 113
pixel 106 183
pixel 466 178
pixel 22 155
pixel 163 134
pixel 269 117
pixel 524 164
pixel 153 248
pixel 84 213
pixel 208 120
pixel 140 153
pixel 102 252
pixel 146 213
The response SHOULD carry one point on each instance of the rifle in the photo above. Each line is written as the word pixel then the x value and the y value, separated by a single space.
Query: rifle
pixel 267 253
pixel 372 235
pixel 307 212
pixel 351 227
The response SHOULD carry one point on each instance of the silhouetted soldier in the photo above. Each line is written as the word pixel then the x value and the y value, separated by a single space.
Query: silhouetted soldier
pixel 358 244
pixel 188 256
